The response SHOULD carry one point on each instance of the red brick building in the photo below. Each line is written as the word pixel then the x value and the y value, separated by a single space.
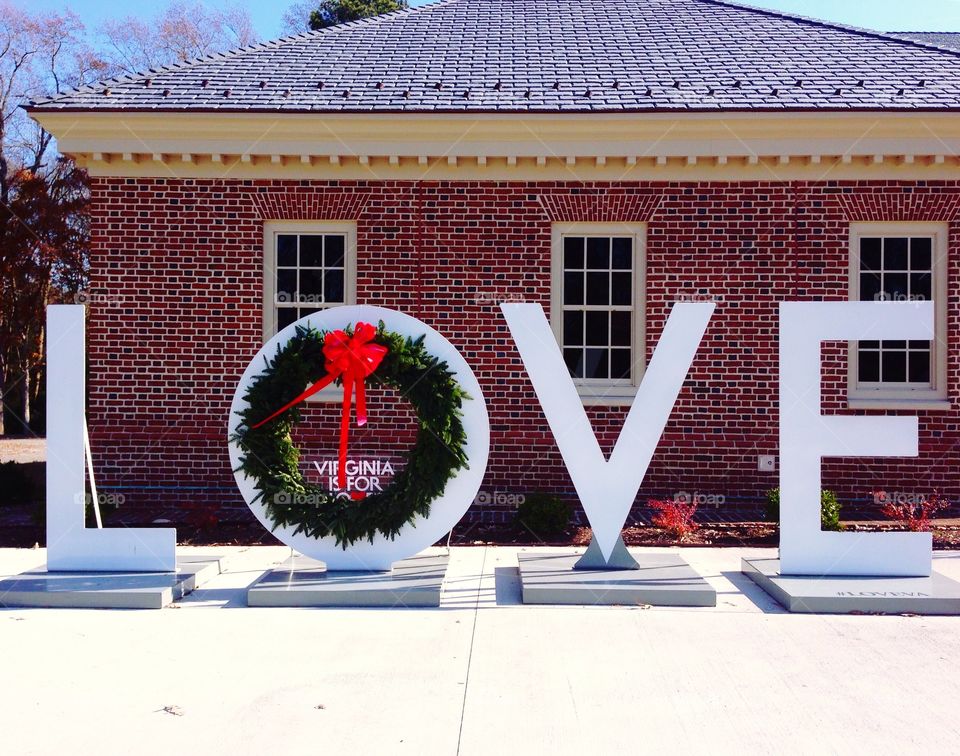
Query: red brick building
pixel 605 159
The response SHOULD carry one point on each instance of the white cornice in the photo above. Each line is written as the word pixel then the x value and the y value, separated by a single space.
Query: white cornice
pixel 575 147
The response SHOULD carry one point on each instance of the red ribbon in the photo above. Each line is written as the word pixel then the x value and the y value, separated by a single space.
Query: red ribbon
pixel 352 359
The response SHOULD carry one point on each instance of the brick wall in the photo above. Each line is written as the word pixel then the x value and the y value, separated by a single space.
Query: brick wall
pixel 176 314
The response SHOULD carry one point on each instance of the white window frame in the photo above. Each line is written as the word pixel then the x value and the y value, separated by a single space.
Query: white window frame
pixel 273 229
pixel 894 396
pixel 593 391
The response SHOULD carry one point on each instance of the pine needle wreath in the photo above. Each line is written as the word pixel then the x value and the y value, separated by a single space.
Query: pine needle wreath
pixel 270 457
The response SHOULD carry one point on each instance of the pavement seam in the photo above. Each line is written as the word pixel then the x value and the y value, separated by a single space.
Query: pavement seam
pixel 473 636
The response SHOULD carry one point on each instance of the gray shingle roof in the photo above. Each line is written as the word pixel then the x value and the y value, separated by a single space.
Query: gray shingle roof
pixel 949 40
pixel 553 56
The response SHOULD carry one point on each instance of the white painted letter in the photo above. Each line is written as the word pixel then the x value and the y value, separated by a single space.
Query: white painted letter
pixel 806 437
pixel 607 489
pixel 70 545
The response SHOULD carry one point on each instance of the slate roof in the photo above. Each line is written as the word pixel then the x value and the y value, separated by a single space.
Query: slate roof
pixel 553 56
pixel 950 40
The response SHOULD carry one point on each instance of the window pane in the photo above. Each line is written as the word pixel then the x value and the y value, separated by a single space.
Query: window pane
pixel 286 250
pixel 598 288
pixel 921 257
pixel 596 364
pixel 333 286
pixel 573 328
pixel 921 286
pixel 285 316
pixel 573 288
pixel 919 367
pixel 893 367
pixel 598 253
pixel 311 286
pixel 573 252
pixel 620 331
pixel 895 287
pixel 870 258
pixel 620 363
pixel 304 311
pixel 311 251
pixel 333 250
pixel 869 344
pixel 869 367
pixel 286 285
pixel 598 331
pixel 622 254
pixel 574 360
pixel 869 287
pixel 622 289
pixel 895 254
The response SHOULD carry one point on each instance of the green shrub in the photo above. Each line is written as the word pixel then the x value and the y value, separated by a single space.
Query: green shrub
pixel 544 515
pixel 829 508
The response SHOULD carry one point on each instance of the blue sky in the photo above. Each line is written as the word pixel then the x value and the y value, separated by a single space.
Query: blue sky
pixel 888 15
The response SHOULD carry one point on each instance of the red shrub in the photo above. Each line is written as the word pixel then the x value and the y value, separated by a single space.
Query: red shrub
pixel 914 515
pixel 676 517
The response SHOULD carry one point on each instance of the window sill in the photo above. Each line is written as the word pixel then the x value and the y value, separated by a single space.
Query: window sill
pixel 925 404
pixel 598 397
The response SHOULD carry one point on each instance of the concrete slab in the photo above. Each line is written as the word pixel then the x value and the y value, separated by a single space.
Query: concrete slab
pixel 107 590
pixel 660 580
pixel 483 675
pixel 302 582
pixel 935 595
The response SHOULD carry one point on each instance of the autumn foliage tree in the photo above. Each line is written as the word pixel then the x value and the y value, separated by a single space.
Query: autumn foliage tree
pixel 44 225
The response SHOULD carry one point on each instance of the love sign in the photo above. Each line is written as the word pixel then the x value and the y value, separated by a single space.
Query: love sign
pixel 607 487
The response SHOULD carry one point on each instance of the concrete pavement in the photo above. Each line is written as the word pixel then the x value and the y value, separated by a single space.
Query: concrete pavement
pixel 481 675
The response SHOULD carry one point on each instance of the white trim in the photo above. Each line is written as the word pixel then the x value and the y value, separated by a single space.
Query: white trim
pixel 271 229
pixel 891 396
pixel 605 392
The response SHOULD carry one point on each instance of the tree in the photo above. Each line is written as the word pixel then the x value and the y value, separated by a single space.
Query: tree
pixel 46 227
pixel 42 223
pixel 332 12
pixel 182 32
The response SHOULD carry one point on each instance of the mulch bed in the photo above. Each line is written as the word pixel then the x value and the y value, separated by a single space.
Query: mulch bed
pixel 946 535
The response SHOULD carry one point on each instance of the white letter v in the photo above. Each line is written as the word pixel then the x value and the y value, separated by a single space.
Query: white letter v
pixel 607 489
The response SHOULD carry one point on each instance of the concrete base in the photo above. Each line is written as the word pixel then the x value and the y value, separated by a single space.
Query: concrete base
pixel 108 590
pixel 659 580
pixel 300 581
pixel 936 594
pixel 593 559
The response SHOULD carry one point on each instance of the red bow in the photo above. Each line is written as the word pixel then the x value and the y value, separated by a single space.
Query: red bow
pixel 352 359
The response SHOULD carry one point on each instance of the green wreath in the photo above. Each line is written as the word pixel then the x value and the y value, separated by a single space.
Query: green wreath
pixel 270 457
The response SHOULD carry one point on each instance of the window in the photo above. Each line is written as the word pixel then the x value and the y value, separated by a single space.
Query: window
pixel 598 307
pixel 308 267
pixel 899 262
